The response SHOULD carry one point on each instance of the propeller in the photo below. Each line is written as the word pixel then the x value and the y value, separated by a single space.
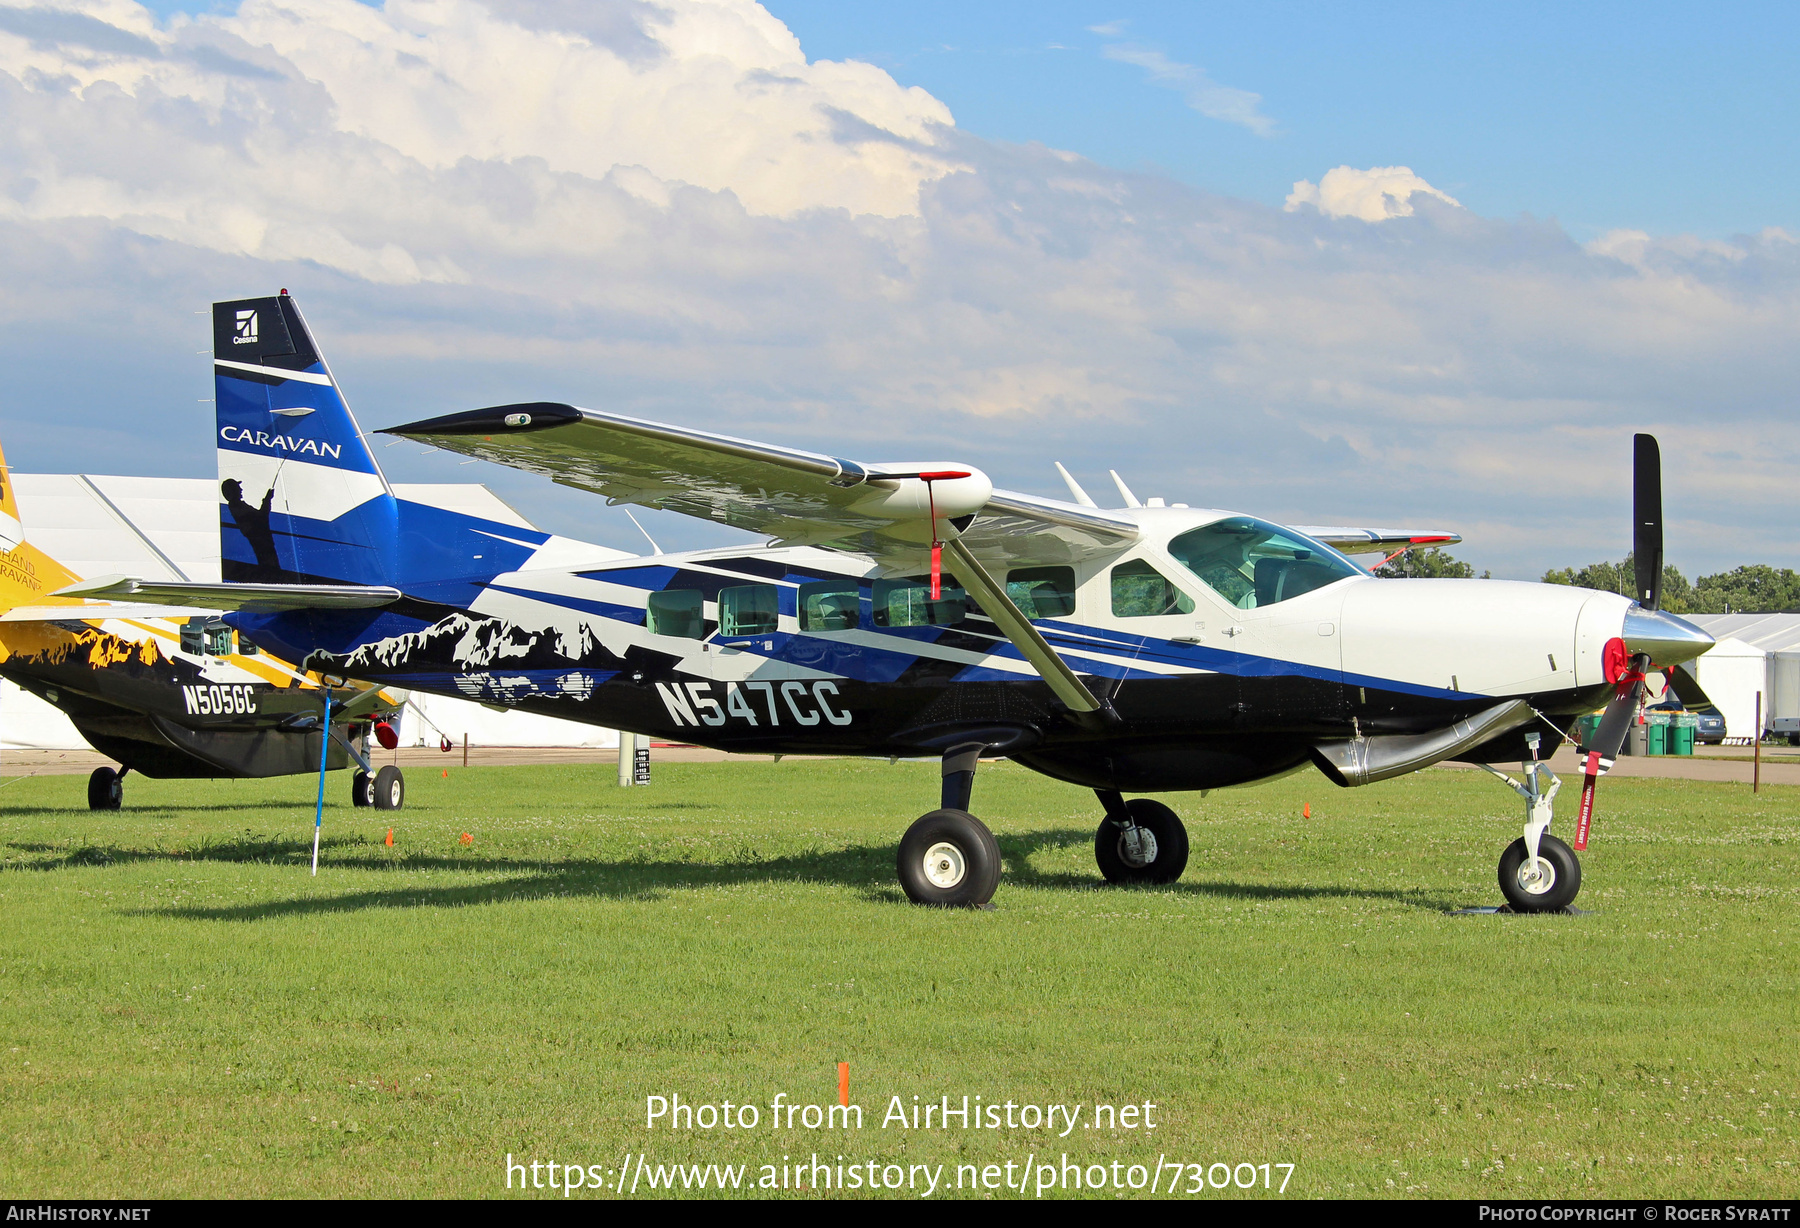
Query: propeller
pixel 1646 516
pixel 1624 669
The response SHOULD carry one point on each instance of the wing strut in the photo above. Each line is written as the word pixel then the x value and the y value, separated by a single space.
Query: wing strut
pixel 1064 683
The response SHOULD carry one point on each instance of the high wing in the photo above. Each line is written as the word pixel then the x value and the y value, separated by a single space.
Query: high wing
pixel 268 598
pixel 797 497
pixel 1366 541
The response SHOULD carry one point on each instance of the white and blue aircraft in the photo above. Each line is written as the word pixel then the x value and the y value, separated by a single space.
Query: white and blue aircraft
pixel 910 609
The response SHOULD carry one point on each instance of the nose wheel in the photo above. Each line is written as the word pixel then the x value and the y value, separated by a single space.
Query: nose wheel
pixel 1547 883
pixel 1538 872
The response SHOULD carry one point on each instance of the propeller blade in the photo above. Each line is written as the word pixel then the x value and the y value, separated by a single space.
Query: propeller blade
pixel 1598 756
pixel 1647 520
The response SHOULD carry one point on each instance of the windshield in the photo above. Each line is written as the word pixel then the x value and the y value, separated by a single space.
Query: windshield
pixel 1252 563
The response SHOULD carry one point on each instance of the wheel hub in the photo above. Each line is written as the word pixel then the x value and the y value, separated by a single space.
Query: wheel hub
pixel 944 865
pixel 1536 877
pixel 1137 847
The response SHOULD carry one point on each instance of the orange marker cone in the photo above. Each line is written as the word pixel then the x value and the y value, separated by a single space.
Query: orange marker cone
pixel 467 838
pixel 446 773
pixel 1306 811
pixel 390 839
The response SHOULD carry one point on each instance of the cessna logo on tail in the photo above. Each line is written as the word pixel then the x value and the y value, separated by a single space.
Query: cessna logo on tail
pixel 244 331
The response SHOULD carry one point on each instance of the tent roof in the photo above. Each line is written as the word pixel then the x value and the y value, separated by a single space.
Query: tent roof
pixel 1769 632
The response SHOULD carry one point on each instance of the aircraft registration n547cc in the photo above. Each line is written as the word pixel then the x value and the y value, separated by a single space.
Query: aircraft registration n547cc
pixel 909 608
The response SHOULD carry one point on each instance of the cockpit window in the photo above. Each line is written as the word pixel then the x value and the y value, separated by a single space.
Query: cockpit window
pixel 1252 563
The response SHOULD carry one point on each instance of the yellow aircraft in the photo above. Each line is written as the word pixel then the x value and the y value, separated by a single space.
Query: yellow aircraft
pixel 171 692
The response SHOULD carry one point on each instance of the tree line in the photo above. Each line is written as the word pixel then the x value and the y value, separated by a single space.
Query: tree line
pixel 1752 589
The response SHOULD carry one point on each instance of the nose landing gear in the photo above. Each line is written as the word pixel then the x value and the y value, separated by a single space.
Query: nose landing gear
pixel 1538 872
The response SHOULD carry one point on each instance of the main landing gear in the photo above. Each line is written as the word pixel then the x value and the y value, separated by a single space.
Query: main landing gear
pixel 951 860
pixel 1139 841
pixel 106 788
pixel 385 790
pixel 1538 872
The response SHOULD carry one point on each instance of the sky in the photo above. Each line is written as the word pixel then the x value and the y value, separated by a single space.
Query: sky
pixel 1388 264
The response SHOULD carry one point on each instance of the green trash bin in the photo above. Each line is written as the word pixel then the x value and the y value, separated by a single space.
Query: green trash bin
pixel 1586 727
pixel 1658 732
pixel 1681 734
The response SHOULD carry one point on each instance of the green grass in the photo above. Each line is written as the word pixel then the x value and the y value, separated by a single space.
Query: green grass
pixel 187 1012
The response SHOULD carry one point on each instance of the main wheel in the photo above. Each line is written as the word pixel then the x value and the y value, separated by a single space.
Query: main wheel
pixel 389 788
pixel 1552 886
pixel 949 859
pixel 362 789
pixel 1161 851
pixel 105 790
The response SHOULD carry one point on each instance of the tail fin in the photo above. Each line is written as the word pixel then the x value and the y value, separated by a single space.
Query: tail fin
pixel 303 500
pixel 27 574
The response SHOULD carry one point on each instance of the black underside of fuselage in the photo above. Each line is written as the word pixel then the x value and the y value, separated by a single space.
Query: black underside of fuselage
pixel 138 716
pixel 1200 731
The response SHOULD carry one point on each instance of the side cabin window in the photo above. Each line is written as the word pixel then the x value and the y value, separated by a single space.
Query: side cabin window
pixel 749 609
pixel 1042 592
pixel 1252 563
pixel 908 603
pixel 1141 591
pixel 677 611
pixel 202 638
pixel 829 605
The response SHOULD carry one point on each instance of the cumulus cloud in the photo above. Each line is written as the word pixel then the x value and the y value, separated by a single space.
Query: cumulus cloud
pixel 285 130
pixel 1203 94
pixel 1374 195
pixel 834 265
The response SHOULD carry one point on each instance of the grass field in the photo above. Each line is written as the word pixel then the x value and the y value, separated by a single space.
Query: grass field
pixel 186 1012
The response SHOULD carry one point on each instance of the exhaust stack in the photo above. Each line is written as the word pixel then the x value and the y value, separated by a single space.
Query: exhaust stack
pixel 1363 761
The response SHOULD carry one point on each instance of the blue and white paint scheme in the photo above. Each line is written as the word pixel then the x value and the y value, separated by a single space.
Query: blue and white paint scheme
pixel 1146 648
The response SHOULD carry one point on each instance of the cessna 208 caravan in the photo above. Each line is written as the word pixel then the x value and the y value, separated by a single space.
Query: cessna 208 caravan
pixel 910 609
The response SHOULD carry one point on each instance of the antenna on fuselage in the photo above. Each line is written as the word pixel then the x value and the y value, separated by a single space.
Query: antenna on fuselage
pixel 654 548
pixel 1081 496
pixel 1131 500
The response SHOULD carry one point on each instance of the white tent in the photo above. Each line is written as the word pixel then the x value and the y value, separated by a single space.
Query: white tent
pixel 1777 638
pixel 168 529
pixel 1732 672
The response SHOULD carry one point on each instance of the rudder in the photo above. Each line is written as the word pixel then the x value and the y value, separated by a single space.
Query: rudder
pixel 302 499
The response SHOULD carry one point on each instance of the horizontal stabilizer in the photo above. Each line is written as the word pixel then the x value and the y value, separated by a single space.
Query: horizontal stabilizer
pixel 264 598
pixel 94 612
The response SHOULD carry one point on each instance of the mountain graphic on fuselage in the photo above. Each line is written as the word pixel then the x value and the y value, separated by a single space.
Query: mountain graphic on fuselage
pixel 462 643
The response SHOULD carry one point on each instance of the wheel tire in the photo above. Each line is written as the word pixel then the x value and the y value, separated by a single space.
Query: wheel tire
pixel 949 859
pixel 105 790
pixel 1171 855
pixel 362 789
pixel 389 788
pixel 1564 881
